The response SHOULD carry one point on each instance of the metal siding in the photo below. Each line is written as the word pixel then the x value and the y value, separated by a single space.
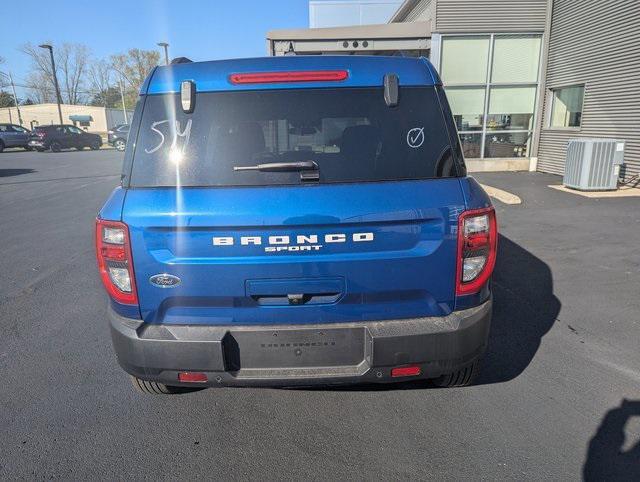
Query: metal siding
pixel 423 11
pixel 466 16
pixel 594 44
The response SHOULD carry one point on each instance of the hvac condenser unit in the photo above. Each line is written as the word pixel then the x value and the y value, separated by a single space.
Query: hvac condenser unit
pixel 593 164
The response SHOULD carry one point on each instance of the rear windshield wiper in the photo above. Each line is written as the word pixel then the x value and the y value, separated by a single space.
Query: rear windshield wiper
pixel 280 167
pixel 309 171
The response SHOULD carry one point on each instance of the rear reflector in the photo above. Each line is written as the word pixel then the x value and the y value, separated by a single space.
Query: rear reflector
pixel 192 377
pixel 409 371
pixel 299 76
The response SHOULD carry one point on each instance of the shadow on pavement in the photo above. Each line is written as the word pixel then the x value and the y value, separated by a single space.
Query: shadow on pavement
pixel 606 459
pixel 15 172
pixel 524 310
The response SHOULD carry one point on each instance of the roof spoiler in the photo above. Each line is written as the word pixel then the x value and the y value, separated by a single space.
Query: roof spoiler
pixel 181 60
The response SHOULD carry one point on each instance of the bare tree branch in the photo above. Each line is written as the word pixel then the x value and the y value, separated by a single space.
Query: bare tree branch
pixel 135 65
pixel 72 60
pixel 40 89
pixel 71 65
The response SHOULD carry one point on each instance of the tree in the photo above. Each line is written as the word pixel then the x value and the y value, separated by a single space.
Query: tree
pixel 6 99
pixel 73 62
pixel 71 68
pixel 40 88
pixel 100 74
pixel 132 68
pixel 107 98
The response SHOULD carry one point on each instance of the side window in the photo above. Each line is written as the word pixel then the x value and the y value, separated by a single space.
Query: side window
pixel 4 128
pixel 22 130
pixel 74 130
pixel 566 106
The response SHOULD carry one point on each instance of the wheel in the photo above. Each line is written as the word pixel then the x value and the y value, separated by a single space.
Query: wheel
pixel 119 145
pixel 155 388
pixel 95 146
pixel 40 149
pixel 28 148
pixel 462 378
pixel 55 146
pixel 1 146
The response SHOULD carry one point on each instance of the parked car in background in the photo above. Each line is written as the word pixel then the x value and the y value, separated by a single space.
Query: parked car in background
pixel 12 135
pixel 58 137
pixel 117 136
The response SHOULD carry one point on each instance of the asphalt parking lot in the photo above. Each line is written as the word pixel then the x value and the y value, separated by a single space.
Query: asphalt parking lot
pixel 559 396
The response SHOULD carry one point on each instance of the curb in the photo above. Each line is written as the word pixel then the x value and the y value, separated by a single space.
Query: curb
pixel 500 195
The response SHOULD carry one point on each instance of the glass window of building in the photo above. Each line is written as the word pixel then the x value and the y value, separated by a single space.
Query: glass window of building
pixel 566 106
pixel 511 108
pixel 492 83
pixel 515 59
pixel 467 106
pixel 464 60
pixel 507 144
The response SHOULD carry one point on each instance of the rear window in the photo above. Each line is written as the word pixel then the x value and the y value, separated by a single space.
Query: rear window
pixel 351 134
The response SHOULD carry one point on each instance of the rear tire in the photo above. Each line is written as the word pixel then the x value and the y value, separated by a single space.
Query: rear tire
pixel 55 147
pixel 462 378
pixel 156 388
pixel 95 146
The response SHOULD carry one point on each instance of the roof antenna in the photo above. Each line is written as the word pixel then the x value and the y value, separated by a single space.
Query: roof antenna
pixel 391 89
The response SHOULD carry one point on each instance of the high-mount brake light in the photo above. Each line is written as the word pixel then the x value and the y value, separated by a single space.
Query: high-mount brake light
pixel 297 76
pixel 113 251
pixel 477 245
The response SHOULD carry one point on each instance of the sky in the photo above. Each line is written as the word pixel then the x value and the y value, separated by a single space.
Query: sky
pixel 199 30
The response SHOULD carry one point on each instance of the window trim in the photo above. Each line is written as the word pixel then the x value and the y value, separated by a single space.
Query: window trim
pixel 552 99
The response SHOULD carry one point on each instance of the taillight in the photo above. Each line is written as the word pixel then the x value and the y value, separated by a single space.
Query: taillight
pixel 113 250
pixel 297 76
pixel 41 133
pixel 477 244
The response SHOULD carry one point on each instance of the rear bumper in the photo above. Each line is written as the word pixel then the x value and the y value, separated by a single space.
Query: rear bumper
pixel 286 355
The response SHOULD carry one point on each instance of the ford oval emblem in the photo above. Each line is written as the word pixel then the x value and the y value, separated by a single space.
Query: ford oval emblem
pixel 164 280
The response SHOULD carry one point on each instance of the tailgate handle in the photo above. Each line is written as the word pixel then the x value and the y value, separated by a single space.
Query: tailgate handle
pixel 296 291
pixel 296 299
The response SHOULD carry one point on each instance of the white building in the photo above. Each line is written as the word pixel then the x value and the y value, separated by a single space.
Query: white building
pixel 90 118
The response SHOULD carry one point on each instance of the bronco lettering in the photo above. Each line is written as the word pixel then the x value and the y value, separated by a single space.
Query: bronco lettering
pixel 300 242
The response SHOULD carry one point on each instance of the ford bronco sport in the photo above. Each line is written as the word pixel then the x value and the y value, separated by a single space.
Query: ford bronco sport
pixel 295 221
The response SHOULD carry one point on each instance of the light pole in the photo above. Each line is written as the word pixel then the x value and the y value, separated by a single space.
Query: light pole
pixel 166 51
pixel 15 97
pixel 55 78
pixel 124 107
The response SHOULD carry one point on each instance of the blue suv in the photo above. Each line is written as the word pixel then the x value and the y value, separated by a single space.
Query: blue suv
pixel 296 221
